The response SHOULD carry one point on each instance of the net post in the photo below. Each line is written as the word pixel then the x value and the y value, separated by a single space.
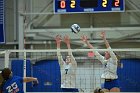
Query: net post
pixel 6 63
pixel 24 69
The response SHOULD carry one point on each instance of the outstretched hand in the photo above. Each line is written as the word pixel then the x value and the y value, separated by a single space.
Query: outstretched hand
pixel 67 39
pixel 35 83
pixel 58 39
pixel 102 35
pixel 84 38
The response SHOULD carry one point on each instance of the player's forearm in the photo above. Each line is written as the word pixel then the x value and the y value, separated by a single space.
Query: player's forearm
pixel 89 45
pixel 58 45
pixel 60 58
pixel 106 43
pixel 70 53
pixel 69 49
pixel 58 53
pixel 68 46
pixel 29 79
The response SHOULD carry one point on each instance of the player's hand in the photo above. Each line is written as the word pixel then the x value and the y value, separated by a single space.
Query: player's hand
pixel 84 38
pixel 58 39
pixel 35 82
pixel 102 35
pixel 67 39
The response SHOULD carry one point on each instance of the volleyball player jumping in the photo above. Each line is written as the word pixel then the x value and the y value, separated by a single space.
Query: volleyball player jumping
pixel 110 65
pixel 68 66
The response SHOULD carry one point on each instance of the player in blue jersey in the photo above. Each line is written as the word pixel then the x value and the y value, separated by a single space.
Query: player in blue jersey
pixel 13 84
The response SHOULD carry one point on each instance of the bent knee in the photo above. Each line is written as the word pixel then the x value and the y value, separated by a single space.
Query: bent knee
pixel 115 89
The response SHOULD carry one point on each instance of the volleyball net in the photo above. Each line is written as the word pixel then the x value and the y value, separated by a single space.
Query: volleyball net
pixel 43 64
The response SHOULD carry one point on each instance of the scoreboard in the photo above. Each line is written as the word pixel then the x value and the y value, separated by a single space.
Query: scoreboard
pixel 2 24
pixel 88 6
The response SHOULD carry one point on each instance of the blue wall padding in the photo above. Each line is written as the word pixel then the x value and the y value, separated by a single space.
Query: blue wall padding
pixel 47 71
pixel 129 75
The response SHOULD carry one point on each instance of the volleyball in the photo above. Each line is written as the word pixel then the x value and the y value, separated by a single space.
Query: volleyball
pixel 75 28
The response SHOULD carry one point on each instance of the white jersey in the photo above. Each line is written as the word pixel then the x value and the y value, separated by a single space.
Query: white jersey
pixel 68 71
pixel 110 65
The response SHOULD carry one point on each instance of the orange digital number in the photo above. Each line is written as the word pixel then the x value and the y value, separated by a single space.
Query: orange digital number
pixel 104 3
pixel 62 4
pixel 73 3
pixel 117 2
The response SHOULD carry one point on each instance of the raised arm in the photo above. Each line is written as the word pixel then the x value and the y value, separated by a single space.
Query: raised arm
pixel 58 42
pixel 67 41
pixel 85 40
pixel 97 54
pixel 103 36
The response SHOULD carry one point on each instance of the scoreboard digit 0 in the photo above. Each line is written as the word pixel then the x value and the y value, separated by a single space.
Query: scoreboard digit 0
pixel 88 6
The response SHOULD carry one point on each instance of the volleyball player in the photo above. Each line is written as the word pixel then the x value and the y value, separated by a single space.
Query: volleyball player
pixel 110 65
pixel 68 66
pixel 13 84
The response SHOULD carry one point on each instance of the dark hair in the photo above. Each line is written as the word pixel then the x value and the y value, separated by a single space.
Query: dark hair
pixel 98 90
pixel 6 72
pixel 119 58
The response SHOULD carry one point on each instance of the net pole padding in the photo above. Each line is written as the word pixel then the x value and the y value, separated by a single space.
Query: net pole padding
pixel 24 69
pixel 76 50
pixel 6 59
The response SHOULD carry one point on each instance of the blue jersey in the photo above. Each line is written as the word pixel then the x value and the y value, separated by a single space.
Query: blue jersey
pixel 13 85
